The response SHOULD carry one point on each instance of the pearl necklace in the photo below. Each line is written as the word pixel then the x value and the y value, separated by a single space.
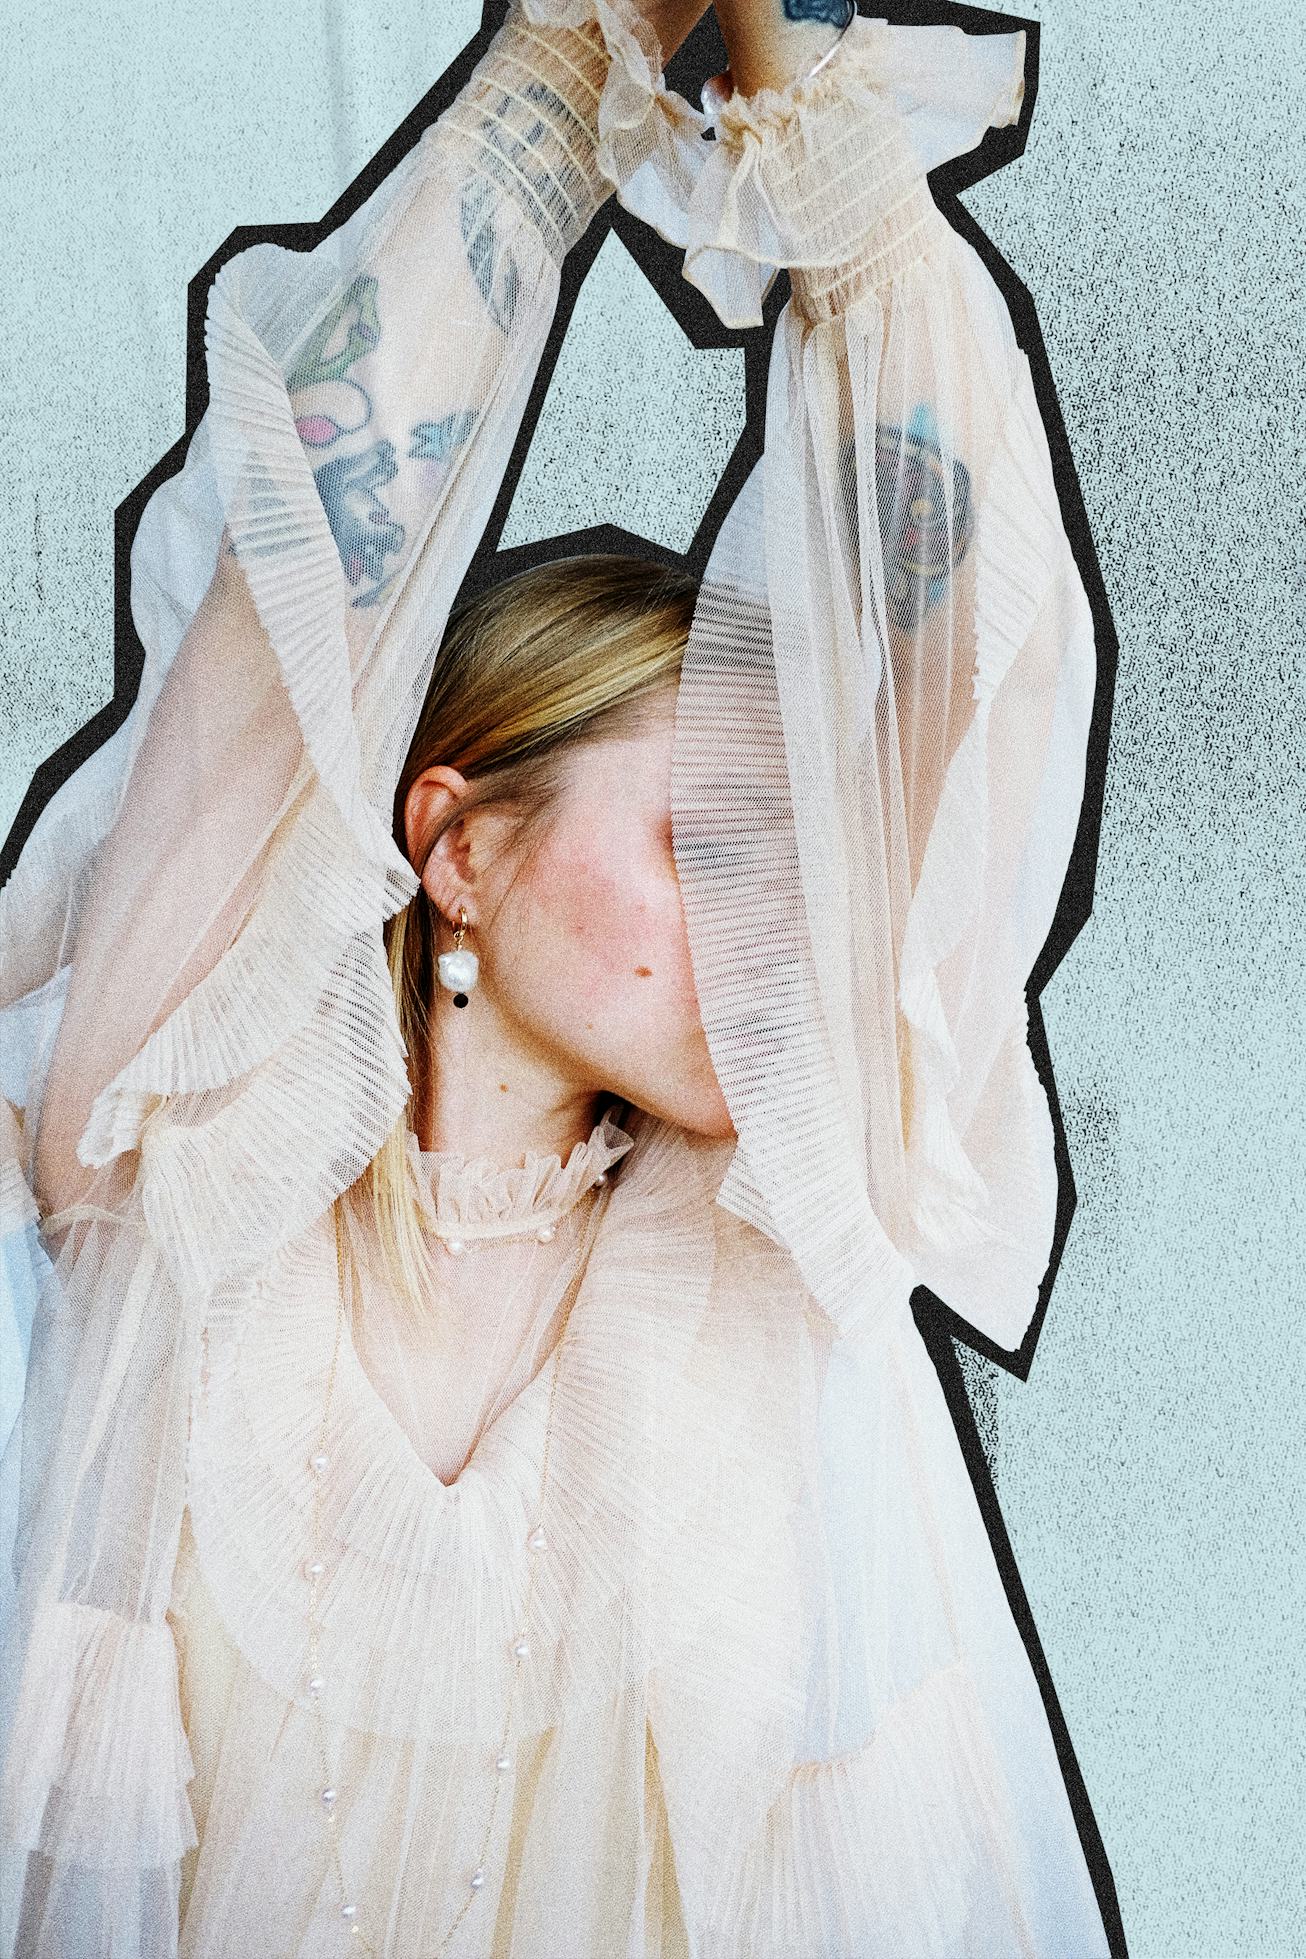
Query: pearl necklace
pixel 328 1792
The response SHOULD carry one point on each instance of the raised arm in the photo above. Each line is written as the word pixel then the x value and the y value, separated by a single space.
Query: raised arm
pixel 195 924
pixel 290 587
pixel 858 212
pixel 877 781
pixel 896 652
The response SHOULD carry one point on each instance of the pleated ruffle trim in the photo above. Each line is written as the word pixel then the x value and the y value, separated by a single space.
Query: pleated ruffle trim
pixel 999 1239
pixel 472 1197
pixel 829 172
pixel 909 1835
pixel 671 1479
pixel 250 1111
pixel 98 1760
pixel 649 138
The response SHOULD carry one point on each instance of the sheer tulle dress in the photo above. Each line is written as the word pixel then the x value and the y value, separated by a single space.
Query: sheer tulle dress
pixel 670 1418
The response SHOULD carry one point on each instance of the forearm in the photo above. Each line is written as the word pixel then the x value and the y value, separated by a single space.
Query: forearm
pixel 769 42
pixel 902 418
pixel 672 21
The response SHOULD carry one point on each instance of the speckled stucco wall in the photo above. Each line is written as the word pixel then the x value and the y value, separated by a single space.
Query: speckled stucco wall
pixel 1149 1469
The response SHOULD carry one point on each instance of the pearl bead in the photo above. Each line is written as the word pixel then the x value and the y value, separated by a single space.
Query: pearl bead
pixel 546 1232
pixel 521 1648
pixel 537 1541
pixel 315 1685
pixel 478 1878
pixel 328 1797
pixel 504 1763
pixel 349 1911
pixel 601 1179
pixel 454 1246
pixel 458 971
pixel 319 1462
pixel 313 1567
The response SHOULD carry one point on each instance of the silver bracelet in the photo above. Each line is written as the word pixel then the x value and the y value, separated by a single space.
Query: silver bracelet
pixel 834 46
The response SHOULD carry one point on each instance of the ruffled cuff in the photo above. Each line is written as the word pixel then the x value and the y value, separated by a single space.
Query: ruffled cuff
pixel 17 1203
pixel 98 1761
pixel 827 176
pixel 650 140
pixel 569 101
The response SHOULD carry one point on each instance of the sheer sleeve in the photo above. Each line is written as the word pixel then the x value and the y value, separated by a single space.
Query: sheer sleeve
pixel 886 699
pixel 877 780
pixel 202 908
pixel 194 1001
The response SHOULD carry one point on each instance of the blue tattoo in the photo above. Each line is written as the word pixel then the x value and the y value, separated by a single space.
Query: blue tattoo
pixel 435 442
pixel 493 266
pixel 834 13
pixel 924 511
pixel 365 532
pixel 328 403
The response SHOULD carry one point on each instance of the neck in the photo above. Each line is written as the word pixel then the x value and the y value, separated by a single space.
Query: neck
pixel 490 1094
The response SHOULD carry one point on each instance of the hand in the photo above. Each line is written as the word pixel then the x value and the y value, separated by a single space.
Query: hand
pixel 672 21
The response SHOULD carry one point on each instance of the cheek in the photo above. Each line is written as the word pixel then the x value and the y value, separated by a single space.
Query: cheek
pixel 618 931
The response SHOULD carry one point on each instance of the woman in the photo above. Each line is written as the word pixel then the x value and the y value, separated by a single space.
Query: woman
pixel 491 1082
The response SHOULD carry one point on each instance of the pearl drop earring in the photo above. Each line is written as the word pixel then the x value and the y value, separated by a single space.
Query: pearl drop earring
pixel 459 969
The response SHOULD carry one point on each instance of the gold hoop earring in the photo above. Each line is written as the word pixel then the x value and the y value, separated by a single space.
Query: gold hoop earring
pixel 460 969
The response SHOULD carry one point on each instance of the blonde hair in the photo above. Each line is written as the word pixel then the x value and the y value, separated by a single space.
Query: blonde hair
pixel 528 671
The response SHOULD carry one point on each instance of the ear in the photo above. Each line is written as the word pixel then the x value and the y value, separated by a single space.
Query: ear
pixel 446 867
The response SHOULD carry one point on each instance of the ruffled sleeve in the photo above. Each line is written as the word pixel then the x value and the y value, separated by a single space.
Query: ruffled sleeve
pixel 887 695
pixel 212 886
pixel 23 1268
pixel 796 177
pixel 195 1005
pixel 650 140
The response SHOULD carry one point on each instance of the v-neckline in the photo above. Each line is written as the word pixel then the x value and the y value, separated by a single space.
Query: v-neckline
pixel 467 1192
pixel 515 1413
pixel 439 1565
pixel 606 1143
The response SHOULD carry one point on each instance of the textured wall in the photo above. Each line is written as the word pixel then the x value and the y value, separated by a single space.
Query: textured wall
pixel 1146 1469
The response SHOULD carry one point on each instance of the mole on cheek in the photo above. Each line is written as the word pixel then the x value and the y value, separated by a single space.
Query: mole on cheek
pixel 643 972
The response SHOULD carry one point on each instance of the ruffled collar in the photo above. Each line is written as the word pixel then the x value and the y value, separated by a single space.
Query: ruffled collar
pixel 473 1197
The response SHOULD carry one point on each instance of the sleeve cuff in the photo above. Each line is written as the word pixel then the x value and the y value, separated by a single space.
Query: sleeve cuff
pixel 827 176
pixel 568 103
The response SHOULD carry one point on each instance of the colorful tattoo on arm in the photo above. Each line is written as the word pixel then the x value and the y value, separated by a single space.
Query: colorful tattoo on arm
pixel 329 399
pixel 924 514
pixel 330 404
pixel 365 532
pixel 327 402
pixel 435 442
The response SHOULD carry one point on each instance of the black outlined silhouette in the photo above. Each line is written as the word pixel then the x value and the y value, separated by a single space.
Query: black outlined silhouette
pixel 702 54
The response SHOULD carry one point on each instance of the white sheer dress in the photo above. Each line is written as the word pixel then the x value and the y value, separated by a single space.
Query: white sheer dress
pixel 289 1668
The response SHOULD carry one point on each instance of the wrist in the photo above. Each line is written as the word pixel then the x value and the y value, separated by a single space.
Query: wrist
pixel 773 43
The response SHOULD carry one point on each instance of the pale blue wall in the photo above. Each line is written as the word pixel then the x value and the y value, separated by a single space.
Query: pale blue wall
pixel 1150 1468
